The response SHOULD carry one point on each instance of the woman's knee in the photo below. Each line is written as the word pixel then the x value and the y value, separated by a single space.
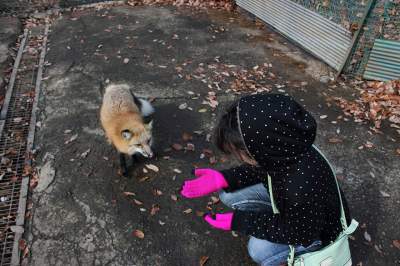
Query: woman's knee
pixel 257 250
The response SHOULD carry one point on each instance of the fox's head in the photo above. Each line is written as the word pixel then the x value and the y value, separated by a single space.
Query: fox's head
pixel 138 139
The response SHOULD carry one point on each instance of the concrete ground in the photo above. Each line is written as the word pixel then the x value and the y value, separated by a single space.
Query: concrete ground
pixel 9 30
pixel 82 213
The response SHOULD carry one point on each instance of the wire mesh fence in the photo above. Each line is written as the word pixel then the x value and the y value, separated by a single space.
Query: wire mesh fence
pixel 382 21
pixel 345 13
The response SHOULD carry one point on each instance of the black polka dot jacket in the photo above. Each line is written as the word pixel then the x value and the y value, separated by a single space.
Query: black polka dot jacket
pixel 279 134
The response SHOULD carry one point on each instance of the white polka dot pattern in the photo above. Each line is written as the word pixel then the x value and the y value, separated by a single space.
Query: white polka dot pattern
pixel 278 134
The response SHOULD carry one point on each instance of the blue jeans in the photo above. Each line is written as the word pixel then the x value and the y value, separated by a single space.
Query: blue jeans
pixel 264 252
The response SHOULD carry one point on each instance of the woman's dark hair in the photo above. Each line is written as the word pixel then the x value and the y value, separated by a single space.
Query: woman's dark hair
pixel 227 133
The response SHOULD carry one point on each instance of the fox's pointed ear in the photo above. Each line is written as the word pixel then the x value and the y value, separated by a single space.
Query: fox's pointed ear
pixel 126 134
pixel 149 125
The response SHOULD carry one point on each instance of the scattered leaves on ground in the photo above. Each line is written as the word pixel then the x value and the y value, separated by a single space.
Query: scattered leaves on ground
pixel 216 4
pixel 377 102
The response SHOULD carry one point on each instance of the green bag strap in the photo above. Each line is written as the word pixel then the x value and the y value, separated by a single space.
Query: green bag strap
pixel 290 259
pixel 271 196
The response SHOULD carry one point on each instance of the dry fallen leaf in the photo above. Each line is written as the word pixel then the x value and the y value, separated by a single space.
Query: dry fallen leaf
pixel 369 144
pixel 190 147
pixel 22 244
pixel 214 199
pixel 85 153
pixel 187 211
pixel 396 243
pixel 177 171
pixel 213 160
pixel 18 120
pixel 74 137
pixel 335 140
pixel 367 236
pixel 183 106
pixel 127 193
pixel 177 146
pixel 144 179
pixel 154 209
pixel 378 249
pixel 203 260
pixel 398 151
pixel 384 194
pixel 174 197
pixel 186 136
pixel 153 167
pixel 138 234
pixel 137 202
pixel 200 213
pixel 26 252
pixel 203 110
pixel 157 192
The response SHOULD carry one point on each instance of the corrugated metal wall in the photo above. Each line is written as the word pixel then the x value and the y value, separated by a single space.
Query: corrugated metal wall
pixel 320 36
pixel 384 61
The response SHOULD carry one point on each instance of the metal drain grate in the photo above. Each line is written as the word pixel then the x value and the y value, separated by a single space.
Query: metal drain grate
pixel 16 130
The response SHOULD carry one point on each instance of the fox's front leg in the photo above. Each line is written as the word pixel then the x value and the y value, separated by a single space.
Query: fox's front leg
pixel 122 163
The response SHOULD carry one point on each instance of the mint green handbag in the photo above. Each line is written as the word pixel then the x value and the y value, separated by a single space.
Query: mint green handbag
pixel 335 254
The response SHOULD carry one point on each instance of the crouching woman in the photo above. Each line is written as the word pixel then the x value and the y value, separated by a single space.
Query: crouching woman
pixel 285 192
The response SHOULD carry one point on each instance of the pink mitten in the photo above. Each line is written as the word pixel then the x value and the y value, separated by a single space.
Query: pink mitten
pixel 221 221
pixel 207 181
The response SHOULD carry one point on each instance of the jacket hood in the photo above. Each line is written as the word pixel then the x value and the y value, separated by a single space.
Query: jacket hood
pixel 275 129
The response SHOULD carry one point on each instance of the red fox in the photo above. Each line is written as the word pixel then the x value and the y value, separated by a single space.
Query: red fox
pixel 127 122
